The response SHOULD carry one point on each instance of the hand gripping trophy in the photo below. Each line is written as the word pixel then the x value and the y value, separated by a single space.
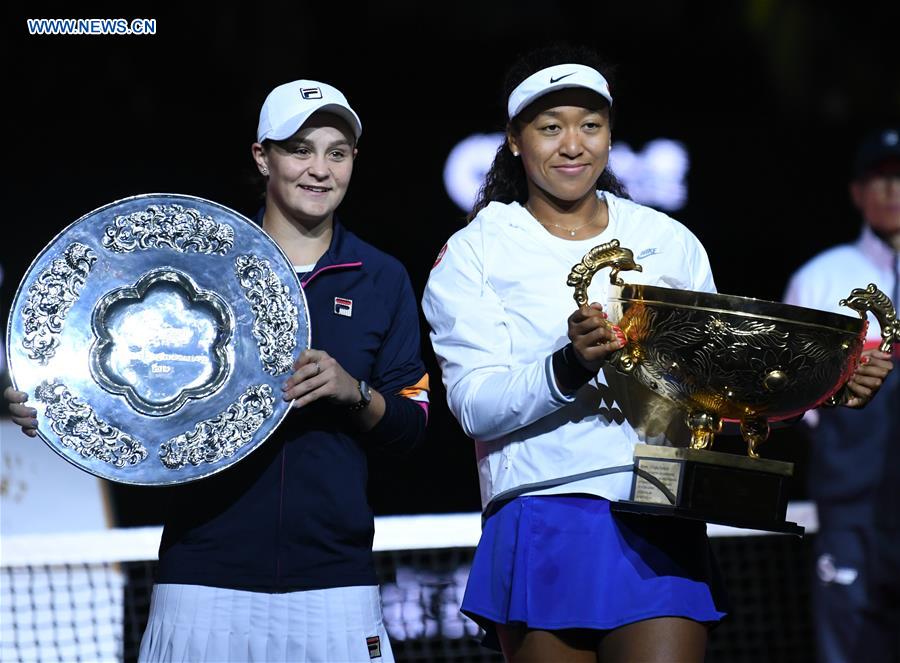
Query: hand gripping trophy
pixel 723 359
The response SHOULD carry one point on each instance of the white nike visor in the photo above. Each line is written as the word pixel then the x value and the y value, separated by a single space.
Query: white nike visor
pixel 555 78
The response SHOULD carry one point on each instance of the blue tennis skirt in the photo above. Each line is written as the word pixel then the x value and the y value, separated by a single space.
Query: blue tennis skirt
pixel 565 561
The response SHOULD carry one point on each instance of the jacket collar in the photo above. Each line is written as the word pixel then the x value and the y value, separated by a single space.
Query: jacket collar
pixel 877 250
pixel 343 247
pixel 342 253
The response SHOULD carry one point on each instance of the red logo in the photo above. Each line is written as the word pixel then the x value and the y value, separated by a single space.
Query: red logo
pixel 343 306
pixel 374 645
pixel 440 256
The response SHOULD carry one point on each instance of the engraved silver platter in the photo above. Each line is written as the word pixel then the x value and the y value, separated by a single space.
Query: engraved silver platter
pixel 153 335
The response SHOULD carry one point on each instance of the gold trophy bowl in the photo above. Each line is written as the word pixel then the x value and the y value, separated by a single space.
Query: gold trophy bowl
pixel 724 358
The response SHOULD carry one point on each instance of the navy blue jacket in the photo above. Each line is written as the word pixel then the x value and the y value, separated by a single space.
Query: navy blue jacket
pixel 855 478
pixel 294 514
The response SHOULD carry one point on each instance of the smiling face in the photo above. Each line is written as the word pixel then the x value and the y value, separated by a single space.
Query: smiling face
pixel 308 173
pixel 563 139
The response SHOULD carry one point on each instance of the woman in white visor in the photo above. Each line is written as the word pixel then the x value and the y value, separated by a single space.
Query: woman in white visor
pixel 557 576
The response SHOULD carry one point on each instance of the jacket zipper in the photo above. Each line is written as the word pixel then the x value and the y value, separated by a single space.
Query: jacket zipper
pixel 278 542
pixel 280 515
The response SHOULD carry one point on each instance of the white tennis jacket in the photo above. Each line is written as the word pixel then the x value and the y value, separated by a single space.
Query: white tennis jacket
pixel 497 302
pixel 830 277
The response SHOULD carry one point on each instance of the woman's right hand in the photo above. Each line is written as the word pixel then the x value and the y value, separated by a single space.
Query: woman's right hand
pixel 593 338
pixel 22 414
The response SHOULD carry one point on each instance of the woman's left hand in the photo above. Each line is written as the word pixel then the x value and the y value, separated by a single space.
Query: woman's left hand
pixel 873 368
pixel 318 375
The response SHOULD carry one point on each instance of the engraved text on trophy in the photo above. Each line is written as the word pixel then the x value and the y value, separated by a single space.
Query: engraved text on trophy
pixel 161 342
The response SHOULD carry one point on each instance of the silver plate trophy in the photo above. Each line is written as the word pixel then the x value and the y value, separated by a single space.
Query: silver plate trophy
pixel 153 336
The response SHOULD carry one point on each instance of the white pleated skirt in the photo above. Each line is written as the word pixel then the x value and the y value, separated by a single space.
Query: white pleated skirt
pixel 193 623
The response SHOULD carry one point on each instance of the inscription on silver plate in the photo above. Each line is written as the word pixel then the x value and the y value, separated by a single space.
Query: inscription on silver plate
pixel 214 439
pixel 275 315
pixel 161 342
pixel 80 429
pixel 51 296
pixel 168 226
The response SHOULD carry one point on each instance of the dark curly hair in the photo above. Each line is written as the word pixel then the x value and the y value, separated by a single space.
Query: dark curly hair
pixel 506 182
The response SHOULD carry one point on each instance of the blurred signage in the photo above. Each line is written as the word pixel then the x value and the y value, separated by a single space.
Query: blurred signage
pixel 655 175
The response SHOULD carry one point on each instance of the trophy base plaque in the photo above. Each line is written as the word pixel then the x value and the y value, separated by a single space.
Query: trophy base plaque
pixel 716 487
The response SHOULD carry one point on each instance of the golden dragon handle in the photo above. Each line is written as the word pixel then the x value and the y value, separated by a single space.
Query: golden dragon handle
pixel 604 255
pixel 863 300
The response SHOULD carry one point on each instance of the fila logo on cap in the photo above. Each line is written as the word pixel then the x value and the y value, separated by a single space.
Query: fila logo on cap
pixel 311 93
pixel 343 307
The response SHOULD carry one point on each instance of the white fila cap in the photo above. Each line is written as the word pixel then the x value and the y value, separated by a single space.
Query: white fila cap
pixel 555 78
pixel 289 106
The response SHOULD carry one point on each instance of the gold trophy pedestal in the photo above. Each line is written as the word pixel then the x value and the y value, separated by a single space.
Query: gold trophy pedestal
pixel 711 486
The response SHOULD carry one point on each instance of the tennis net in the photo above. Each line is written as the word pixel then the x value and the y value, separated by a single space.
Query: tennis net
pixel 85 596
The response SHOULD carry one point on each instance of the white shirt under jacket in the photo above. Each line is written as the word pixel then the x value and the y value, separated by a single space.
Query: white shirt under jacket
pixel 497 302
pixel 830 276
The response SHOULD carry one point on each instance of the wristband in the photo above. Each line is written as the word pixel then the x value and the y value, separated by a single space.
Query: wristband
pixel 570 373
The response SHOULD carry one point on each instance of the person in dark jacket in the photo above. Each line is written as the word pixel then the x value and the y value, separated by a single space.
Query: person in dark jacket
pixel 271 559
pixel 855 454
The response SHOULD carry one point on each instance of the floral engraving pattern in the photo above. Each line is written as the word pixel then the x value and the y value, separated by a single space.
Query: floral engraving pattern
pixel 721 362
pixel 80 429
pixel 275 315
pixel 51 296
pixel 173 226
pixel 222 436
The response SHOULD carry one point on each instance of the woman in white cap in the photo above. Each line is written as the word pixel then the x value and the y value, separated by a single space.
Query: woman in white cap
pixel 556 576
pixel 271 560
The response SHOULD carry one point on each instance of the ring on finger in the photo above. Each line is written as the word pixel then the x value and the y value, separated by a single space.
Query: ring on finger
pixel 318 368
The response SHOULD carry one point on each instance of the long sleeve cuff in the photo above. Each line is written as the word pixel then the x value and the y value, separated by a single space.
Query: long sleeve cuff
pixel 565 368
pixel 401 428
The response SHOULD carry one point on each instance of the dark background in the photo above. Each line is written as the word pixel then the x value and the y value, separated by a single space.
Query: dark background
pixel 770 99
